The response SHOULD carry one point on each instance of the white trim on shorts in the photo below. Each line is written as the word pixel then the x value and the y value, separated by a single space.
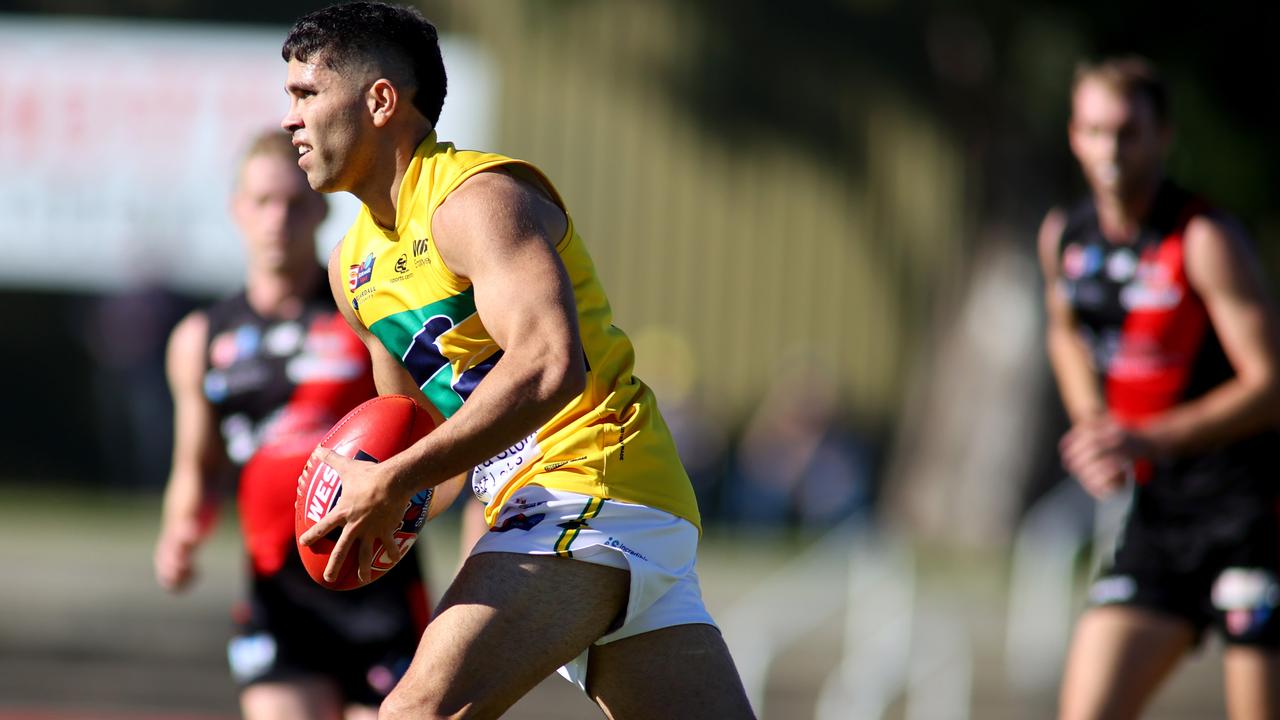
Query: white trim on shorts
pixel 658 548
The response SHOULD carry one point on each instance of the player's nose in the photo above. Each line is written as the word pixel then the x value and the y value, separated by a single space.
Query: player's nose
pixel 291 121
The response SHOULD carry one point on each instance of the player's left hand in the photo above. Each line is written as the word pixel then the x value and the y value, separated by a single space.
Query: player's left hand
pixel 1100 453
pixel 368 510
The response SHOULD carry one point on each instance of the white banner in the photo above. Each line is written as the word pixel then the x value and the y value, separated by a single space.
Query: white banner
pixel 119 140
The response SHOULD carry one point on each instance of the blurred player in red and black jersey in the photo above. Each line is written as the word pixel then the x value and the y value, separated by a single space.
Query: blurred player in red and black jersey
pixel 257 380
pixel 1165 346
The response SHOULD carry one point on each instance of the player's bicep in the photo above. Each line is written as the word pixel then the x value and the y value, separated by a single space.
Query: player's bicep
pixel 1047 242
pixel 1223 271
pixel 197 445
pixel 501 234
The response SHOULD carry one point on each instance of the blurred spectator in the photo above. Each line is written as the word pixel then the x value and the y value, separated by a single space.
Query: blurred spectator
pixel 125 334
pixel 699 434
pixel 796 462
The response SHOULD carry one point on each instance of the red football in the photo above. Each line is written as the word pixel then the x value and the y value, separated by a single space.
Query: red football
pixel 374 430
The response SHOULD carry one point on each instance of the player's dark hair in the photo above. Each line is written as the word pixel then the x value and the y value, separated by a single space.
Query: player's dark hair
pixel 1131 76
pixel 361 31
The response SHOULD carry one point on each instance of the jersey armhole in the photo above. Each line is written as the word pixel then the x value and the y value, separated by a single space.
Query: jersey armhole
pixel 521 170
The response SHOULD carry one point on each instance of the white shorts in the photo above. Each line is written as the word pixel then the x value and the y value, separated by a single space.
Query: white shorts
pixel 658 548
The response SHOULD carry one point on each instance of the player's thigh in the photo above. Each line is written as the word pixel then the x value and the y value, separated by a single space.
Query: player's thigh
pixel 300 699
pixel 1251 676
pixel 506 622
pixel 683 671
pixel 1119 654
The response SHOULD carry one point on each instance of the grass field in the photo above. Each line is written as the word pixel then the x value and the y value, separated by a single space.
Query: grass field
pixel 85 633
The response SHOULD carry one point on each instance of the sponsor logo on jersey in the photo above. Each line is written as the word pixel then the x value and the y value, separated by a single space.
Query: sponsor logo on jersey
pixel 495 472
pixel 421 252
pixel 222 350
pixel 402 264
pixel 1121 265
pixel 561 463
pixel 1153 289
pixel 1081 261
pixel 283 339
pixel 358 275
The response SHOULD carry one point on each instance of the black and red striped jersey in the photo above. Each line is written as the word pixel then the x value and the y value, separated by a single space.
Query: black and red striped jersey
pixel 277 386
pixel 1153 342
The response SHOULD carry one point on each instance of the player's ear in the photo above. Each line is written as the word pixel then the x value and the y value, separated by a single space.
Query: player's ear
pixel 382 99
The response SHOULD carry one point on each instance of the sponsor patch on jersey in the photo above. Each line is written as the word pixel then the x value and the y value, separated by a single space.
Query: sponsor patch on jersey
pixel 283 339
pixel 421 252
pixel 490 475
pixel 1247 597
pixel 222 350
pixel 309 368
pixel 358 275
pixel 1121 265
pixel 1140 296
pixel 1081 261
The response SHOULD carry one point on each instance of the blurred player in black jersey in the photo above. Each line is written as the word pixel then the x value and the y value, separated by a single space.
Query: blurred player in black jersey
pixel 257 380
pixel 1164 343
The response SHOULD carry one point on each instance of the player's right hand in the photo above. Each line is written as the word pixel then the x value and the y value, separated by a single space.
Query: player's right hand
pixel 1100 454
pixel 175 560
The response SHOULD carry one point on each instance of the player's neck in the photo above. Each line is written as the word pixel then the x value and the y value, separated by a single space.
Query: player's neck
pixel 280 294
pixel 1121 217
pixel 382 193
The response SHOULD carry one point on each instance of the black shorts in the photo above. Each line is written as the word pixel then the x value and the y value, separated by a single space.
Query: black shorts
pixel 1213 562
pixel 290 628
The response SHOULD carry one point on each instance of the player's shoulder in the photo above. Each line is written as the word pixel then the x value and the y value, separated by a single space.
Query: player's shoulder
pixel 185 354
pixel 1049 236
pixel 484 192
pixel 491 202
pixel 192 328
pixel 1214 225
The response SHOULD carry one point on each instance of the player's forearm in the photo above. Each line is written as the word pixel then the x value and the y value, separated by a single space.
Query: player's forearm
pixel 521 393
pixel 190 507
pixel 1073 370
pixel 1232 411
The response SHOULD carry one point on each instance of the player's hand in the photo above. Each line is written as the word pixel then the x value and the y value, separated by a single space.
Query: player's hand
pixel 1100 454
pixel 368 510
pixel 175 558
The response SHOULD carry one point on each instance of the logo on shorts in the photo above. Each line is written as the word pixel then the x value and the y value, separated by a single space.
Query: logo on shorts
pixel 519 521
pixel 1113 589
pixel 1247 598
pixel 251 656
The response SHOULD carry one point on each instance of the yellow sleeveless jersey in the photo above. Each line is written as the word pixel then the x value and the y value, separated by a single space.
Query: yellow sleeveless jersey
pixel 609 442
